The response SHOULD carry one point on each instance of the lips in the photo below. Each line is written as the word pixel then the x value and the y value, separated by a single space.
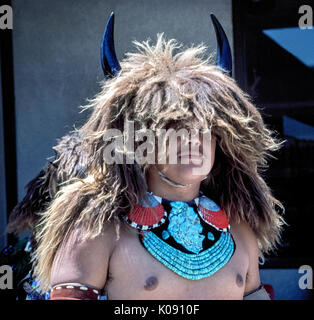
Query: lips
pixel 191 155
pixel 196 159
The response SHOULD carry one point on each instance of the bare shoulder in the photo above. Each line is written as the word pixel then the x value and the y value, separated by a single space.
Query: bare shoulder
pixel 245 233
pixel 84 261
pixel 249 242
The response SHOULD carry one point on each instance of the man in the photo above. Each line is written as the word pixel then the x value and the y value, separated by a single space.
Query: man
pixel 192 229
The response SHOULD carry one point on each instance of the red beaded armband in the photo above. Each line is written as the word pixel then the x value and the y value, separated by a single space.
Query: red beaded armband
pixel 73 291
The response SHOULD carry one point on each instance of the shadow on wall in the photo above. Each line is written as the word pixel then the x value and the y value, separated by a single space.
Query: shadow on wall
pixel 285 283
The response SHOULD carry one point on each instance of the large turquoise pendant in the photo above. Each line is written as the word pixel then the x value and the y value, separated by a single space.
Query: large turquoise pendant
pixel 185 227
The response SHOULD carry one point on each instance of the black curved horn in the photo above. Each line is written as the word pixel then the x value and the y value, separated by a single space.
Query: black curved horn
pixel 224 57
pixel 109 61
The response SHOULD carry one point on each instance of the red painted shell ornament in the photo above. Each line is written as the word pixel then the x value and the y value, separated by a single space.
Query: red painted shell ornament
pixel 147 216
pixel 212 214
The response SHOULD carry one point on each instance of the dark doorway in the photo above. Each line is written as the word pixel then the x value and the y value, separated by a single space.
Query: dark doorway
pixel 274 64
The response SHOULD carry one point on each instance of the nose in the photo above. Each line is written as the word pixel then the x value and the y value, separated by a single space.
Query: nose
pixel 191 140
pixel 195 140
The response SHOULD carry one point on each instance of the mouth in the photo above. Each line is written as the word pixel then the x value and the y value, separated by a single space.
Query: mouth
pixel 195 159
pixel 191 155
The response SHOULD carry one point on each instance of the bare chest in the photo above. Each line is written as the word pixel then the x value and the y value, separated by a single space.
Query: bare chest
pixel 136 274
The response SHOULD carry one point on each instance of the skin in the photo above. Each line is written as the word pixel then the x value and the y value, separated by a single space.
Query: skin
pixel 184 171
pixel 127 271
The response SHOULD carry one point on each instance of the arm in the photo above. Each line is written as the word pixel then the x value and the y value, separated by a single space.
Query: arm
pixel 80 267
pixel 253 287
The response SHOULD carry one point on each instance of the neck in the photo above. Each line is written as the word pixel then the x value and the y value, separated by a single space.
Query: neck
pixel 164 190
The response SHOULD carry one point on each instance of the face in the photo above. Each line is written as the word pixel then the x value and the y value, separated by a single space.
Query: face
pixel 190 160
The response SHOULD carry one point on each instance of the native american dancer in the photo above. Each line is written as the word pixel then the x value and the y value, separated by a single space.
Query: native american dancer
pixel 135 227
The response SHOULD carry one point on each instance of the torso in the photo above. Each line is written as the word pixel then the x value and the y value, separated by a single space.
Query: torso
pixel 136 275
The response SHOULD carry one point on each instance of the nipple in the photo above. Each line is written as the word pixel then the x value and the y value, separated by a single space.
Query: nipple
pixel 151 283
pixel 239 280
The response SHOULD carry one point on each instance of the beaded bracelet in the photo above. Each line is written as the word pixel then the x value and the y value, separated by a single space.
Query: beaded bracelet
pixel 74 291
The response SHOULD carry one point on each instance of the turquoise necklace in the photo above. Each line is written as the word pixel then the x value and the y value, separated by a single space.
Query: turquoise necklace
pixel 192 238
